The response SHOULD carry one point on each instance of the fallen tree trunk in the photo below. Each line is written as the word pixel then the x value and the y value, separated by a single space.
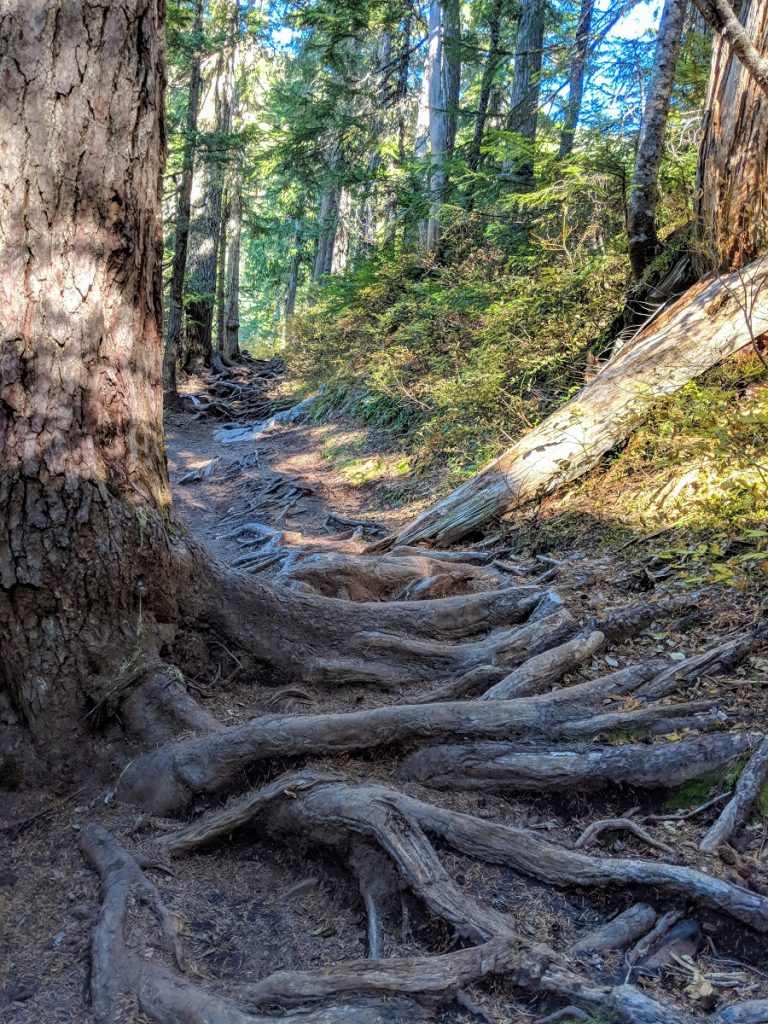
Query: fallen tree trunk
pixel 699 330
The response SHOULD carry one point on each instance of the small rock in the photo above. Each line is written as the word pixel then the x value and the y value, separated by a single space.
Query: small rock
pixel 58 938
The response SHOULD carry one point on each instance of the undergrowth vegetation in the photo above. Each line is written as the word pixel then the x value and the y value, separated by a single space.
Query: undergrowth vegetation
pixel 458 357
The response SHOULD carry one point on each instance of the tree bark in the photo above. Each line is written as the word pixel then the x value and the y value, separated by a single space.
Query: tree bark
pixel 221 273
pixel 523 114
pixel 328 222
pixel 231 340
pixel 451 70
pixel 207 206
pixel 642 239
pixel 732 180
pixel 183 211
pixel 711 321
pixel 85 552
pixel 576 79
pixel 489 76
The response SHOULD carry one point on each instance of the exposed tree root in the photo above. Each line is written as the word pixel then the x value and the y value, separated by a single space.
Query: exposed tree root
pixel 333 812
pixel 734 814
pixel 164 996
pixel 592 833
pixel 539 672
pixel 166 780
pixel 159 709
pixel 619 933
pixel 504 766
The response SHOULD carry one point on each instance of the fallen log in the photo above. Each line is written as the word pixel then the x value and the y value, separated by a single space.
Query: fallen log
pixel 699 330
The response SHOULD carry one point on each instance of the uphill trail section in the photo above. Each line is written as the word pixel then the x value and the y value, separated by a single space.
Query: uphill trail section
pixel 526 788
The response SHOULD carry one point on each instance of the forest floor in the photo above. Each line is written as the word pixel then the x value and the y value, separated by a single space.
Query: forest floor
pixel 249 907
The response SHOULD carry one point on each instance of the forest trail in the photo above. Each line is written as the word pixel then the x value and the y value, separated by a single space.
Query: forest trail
pixel 607 839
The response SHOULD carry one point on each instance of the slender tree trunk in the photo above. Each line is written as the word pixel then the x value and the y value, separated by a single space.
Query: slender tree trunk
pixel 289 307
pixel 221 274
pixel 489 76
pixel 183 210
pixel 206 225
pixel 231 339
pixel 732 180
pixel 431 128
pixel 85 553
pixel 328 223
pixel 576 79
pixel 642 239
pixel 526 88
pixel 451 70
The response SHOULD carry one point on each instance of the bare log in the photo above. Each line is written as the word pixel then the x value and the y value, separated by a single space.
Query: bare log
pixel 735 813
pixel 504 766
pixel 698 331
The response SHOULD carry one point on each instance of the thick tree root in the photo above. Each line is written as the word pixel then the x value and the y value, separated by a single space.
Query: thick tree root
pixel 502 766
pixel 540 672
pixel 166 780
pixel 334 812
pixel 159 709
pixel 624 930
pixel 164 996
pixel 734 814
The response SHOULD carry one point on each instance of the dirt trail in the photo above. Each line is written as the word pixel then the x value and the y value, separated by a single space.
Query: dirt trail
pixel 249 906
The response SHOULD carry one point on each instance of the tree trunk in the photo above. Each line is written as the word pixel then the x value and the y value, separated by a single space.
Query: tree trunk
pixel 642 239
pixel 289 306
pixel 700 330
pixel 431 125
pixel 85 555
pixel 524 97
pixel 489 76
pixel 231 337
pixel 183 210
pixel 451 69
pixel 207 206
pixel 328 223
pixel 576 79
pixel 221 274
pixel 732 180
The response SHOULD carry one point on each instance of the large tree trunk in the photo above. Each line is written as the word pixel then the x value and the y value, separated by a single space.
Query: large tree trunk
pixel 85 552
pixel 642 239
pixel 524 98
pixel 576 79
pixel 181 236
pixel 702 328
pixel 328 223
pixel 732 180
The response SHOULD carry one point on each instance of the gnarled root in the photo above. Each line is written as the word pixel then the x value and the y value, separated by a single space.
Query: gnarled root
pixel 164 996
pixel 503 766
pixel 166 780
pixel 751 782
pixel 332 812
pixel 159 709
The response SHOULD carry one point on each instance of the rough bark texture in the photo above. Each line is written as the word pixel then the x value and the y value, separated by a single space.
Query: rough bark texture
pixel 84 483
pixel 216 121
pixel 526 86
pixel 731 189
pixel 700 330
pixel 489 76
pixel 181 234
pixel 231 343
pixel 576 79
pixel 643 198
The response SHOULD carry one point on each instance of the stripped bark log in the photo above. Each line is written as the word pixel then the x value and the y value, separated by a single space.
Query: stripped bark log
pixel 502 766
pixel 698 331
